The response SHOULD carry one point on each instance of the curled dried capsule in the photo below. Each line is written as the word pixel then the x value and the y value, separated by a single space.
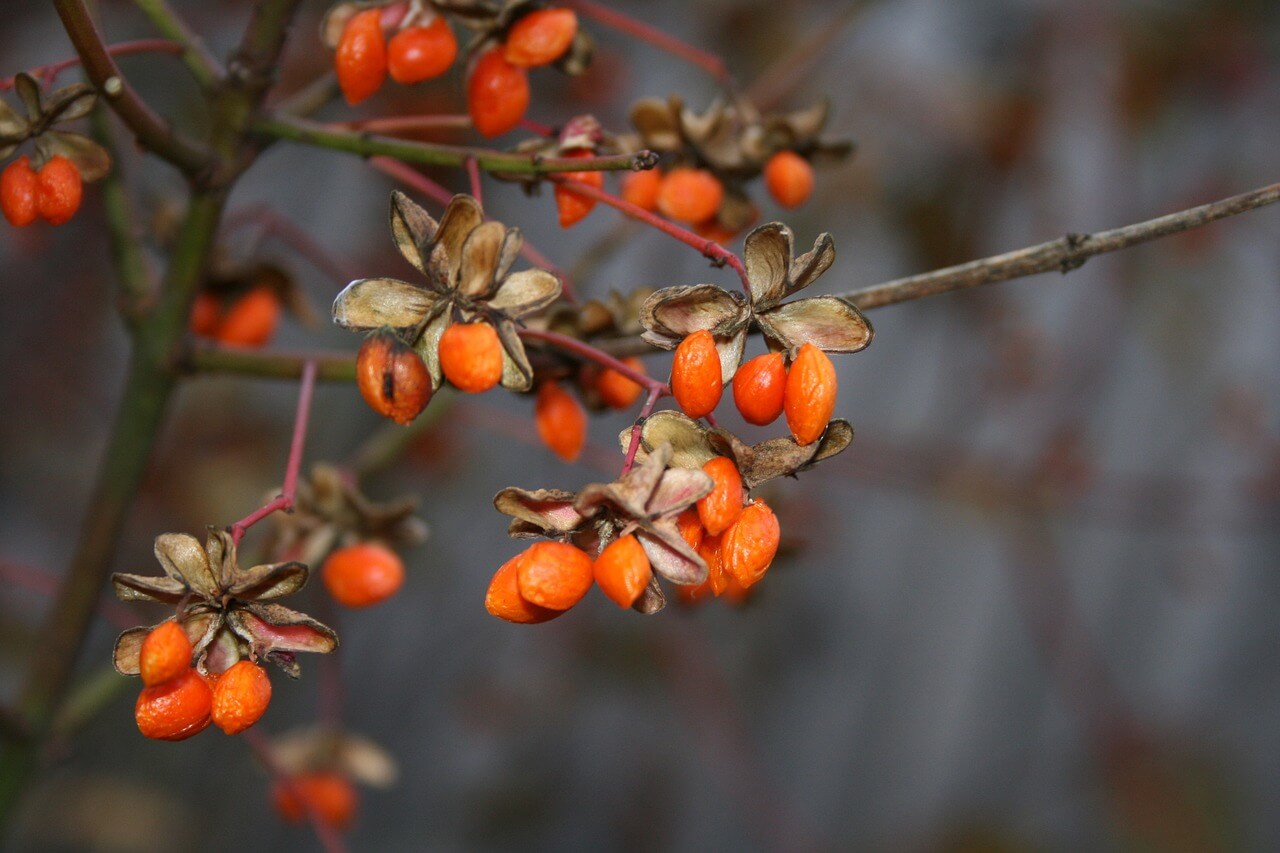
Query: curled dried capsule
pixel 561 421
pixel 471 356
pixel 695 375
pixel 362 575
pixel 690 195
pixel 175 709
pixel 240 697
pixel 749 546
pixel 420 53
pixel 573 206
pixel 19 189
pixel 165 654
pixel 330 795
pixel 810 396
pixel 720 508
pixel 497 94
pixel 616 390
pixel 392 378
pixel 758 388
pixel 540 37
pixel 789 179
pixel 504 600
pixel 555 575
pixel 251 320
pixel 622 570
pixel 361 59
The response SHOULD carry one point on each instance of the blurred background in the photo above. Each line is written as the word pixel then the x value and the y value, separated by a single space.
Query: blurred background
pixel 1030 608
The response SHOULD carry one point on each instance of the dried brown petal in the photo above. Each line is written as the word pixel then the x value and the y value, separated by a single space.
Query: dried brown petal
pixel 428 343
pixel 184 558
pixel 262 583
pixel 767 258
pixel 412 228
pixel 678 490
pixel 371 303
pixel 517 372
pixel 808 267
pixel 461 217
pixel 526 292
pixel 651 600
pixel 70 103
pixel 686 437
pixel 656 124
pixel 546 509
pixel 480 254
pixel 670 556
pixel 828 322
pixel 676 312
pixel 12 125
pixel 148 588
pixel 29 93
pixel 276 628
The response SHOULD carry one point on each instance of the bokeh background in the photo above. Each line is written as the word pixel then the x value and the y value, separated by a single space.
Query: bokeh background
pixel 1032 607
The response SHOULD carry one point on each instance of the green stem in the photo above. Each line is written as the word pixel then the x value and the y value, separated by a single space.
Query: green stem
pixel 330 367
pixel 130 262
pixel 202 64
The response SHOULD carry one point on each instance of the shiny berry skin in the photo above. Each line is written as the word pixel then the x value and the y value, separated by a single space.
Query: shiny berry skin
pixel 206 313
pixel 471 356
pixel 690 527
pixel 758 388
pixel 641 188
pixel 690 195
pixel 240 697
pixel 251 320
pixel 59 190
pixel 504 600
pixel 616 390
pixel 709 551
pixel 19 190
pixel 721 507
pixel 810 396
pixel 561 421
pixel 555 575
pixel 540 37
pixel 392 378
pixel 749 546
pixel 330 794
pixel 165 654
pixel 361 59
pixel 622 570
pixel 573 206
pixel 695 375
pixel 420 53
pixel 362 575
pixel 789 179
pixel 175 709
pixel 497 94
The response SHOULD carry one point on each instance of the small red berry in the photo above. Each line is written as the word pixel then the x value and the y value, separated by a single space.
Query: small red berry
pixel 616 390
pixel 758 388
pixel 540 37
pixel 561 421
pixel 420 53
pixel 471 356
pixel 554 575
pixel 330 794
pixel 749 546
pixel 361 59
pixel 789 179
pixel 622 570
pixel 240 697
pixel 641 188
pixel 18 193
pixel 251 320
pixel 175 709
pixel 60 190
pixel 497 94
pixel 695 374
pixel 392 378
pixel 574 206
pixel 165 654
pixel 690 195
pixel 719 509
pixel 362 575
pixel 505 601
pixel 810 396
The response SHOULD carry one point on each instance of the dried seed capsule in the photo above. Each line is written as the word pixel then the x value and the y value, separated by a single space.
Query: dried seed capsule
pixel 329 794
pixel 251 320
pixel 616 390
pixel 758 388
pixel 690 195
pixel 750 545
pixel 471 356
pixel 392 378
pixel 497 94
pixel 554 575
pixel 19 189
pixel 720 508
pixel 571 206
pixel 361 59
pixel 561 421
pixel 165 654
pixel 59 190
pixel 504 600
pixel 789 179
pixel 420 53
pixel 540 37
pixel 695 375
pixel 362 575
pixel 810 396
pixel 622 570
pixel 175 709
pixel 240 697
pixel 641 188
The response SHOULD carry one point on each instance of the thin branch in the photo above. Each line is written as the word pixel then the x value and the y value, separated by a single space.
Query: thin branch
pixel 330 367
pixel 137 284
pixel 587 351
pixel 1064 254
pixel 49 73
pixel 406 124
pixel 275 224
pixel 473 176
pixel 204 66
pixel 299 130
pixel 637 429
pixel 796 66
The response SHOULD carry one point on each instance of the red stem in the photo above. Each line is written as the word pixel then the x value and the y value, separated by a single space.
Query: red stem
pixel 718 254
pixel 48 73
pixel 473 174
pixel 711 63
pixel 277 225
pixel 290 490
pixel 329 838
pixel 638 427
pixel 537 128
pixel 587 351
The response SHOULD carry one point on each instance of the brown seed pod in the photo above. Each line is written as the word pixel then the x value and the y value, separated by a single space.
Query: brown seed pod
pixel 392 378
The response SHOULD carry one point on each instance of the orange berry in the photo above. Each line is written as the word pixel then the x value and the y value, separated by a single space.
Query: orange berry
pixel 622 570
pixel 758 388
pixel 616 390
pixel 251 320
pixel 392 378
pixel 574 206
pixel 695 375
pixel 19 191
pixel 60 190
pixel 175 709
pixel 690 527
pixel 810 396
pixel 712 230
pixel 471 356
pixel 361 59
pixel 419 53
pixel 690 195
pixel 641 188
pixel 240 697
pixel 720 508
pixel 540 37
pixel 165 654
pixel 497 94
pixel 554 575
pixel 750 545
pixel 206 313
pixel 362 575
pixel 709 550
pixel 504 600
pixel 789 179
pixel 561 420
pixel 330 794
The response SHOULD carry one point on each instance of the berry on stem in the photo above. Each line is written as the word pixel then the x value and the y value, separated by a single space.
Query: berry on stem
pixel 330 794
pixel 622 570
pixel 18 193
pixel 504 600
pixel 789 179
pixel 641 188
pixel 471 356
pixel 540 37
pixel 720 508
pixel 689 195
pixel 618 391
pixel 561 421
pixel 810 396
pixel 361 59
pixel 251 320
pixel 362 575
pixel 175 709
pixel 573 206
pixel 555 575
pixel 497 94
pixel 240 697
pixel 695 375
pixel 758 388
pixel 165 654
pixel 392 378
pixel 420 53
pixel 59 190
pixel 749 546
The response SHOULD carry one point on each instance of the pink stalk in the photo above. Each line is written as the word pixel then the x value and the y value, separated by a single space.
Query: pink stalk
pixel 49 73
pixel 473 174
pixel 638 427
pixel 587 351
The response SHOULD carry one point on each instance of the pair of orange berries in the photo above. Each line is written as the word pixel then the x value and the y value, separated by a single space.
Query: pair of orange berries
pixel 548 578
pixel 362 575
pixel 365 57
pixel 498 86
pixel 176 702
pixel 249 320
pixel 329 794
pixel 53 193
pixel 737 542
pixel 687 195
pixel 763 387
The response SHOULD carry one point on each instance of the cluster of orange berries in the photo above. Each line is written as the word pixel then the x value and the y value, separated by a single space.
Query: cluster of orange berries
pixel 177 701
pixel 327 793
pixel 363 574
pixel 247 320
pixel 763 387
pixel 52 193
pixel 365 57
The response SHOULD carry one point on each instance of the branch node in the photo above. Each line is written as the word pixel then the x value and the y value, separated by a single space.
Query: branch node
pixel 113 87
pixel 1074 242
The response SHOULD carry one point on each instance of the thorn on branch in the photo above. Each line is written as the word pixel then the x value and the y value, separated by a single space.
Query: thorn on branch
pixel 1074 242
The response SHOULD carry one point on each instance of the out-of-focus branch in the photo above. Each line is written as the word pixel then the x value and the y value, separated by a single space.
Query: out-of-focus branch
pixel 330 367
pixel 203 65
